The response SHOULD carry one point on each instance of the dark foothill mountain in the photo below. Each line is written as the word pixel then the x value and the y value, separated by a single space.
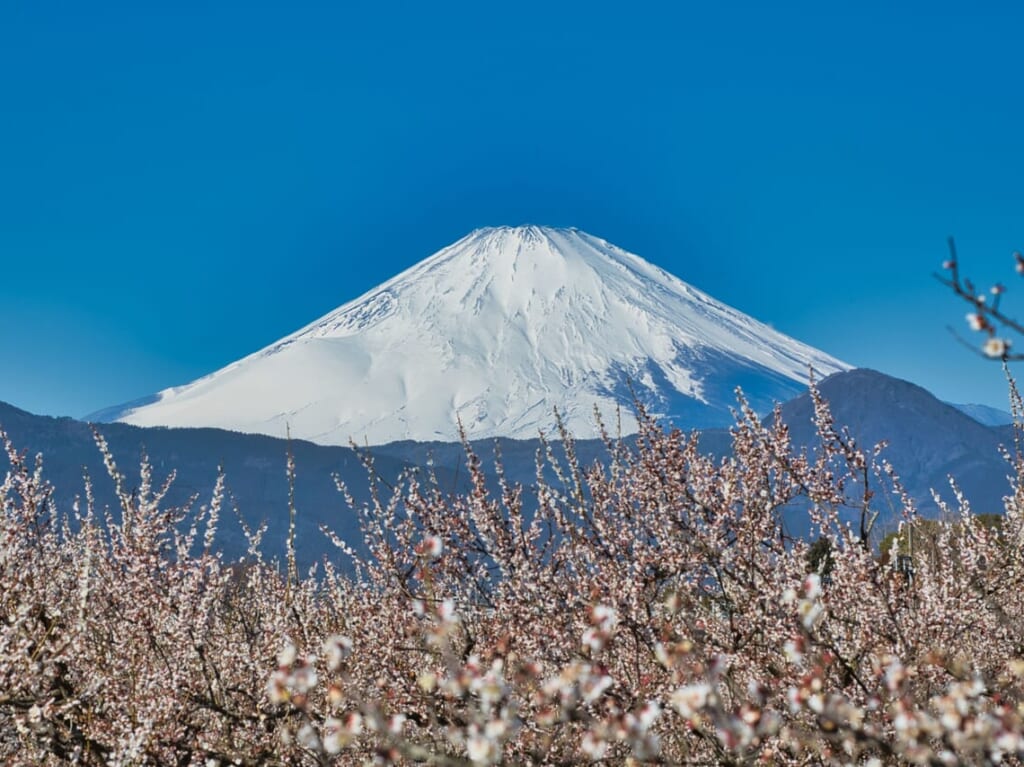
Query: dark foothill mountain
pixel 254 466
pixel 928 440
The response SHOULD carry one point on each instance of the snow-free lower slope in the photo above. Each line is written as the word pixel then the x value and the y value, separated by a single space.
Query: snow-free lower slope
pixel 498 330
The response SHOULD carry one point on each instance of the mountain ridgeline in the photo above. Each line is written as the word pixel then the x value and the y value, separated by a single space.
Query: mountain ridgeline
pixel 928 441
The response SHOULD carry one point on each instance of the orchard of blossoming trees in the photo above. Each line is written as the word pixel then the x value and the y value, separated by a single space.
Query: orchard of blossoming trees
pixel 648 609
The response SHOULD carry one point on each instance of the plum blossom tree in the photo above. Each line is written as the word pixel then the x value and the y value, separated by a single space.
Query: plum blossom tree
pixel 648 608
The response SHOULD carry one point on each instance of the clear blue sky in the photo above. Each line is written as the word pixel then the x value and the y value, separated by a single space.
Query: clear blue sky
pixel 182 183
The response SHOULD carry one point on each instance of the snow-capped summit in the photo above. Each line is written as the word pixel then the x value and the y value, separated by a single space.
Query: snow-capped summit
pixel 498 330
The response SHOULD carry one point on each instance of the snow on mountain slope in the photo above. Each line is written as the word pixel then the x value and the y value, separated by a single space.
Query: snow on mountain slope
pixel 498 330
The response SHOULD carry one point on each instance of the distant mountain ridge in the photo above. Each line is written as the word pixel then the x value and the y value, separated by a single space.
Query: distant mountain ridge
pixel 990 416
pixel 254 467
pixel 495 332
pixel 928 441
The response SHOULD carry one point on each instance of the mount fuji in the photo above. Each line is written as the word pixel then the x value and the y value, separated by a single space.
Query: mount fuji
pixel 496 332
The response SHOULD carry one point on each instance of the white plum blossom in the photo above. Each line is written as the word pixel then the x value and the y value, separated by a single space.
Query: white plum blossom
pixel 593 746
pixel 336 649
pixel 976 321
pixel 431 547
pixel 480 748
pixel 691 699
pixel 288 653
pixel 996 347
